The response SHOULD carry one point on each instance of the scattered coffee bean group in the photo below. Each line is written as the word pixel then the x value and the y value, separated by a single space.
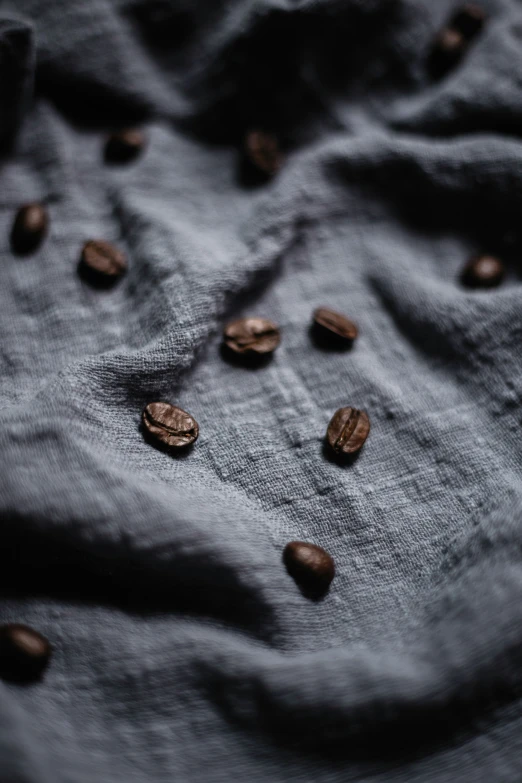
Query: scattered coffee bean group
pixel 348 430
pixel 469 20
pixel 29 228
pixel 25 653
pixel 102 262
pixel 453 41
pixel 124 146
pixel 483 272
pixel 169 426
pixel 310 565
pixel 334 327
pixel 263 152
pixel 248 336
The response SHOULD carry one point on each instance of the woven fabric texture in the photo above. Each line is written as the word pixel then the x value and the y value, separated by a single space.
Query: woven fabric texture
pixel 183 651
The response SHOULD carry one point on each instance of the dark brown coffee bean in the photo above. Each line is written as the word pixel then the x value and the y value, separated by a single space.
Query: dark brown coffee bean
pixel 483 272
pixel 124 146
pixel 169 426
pixel 101 261
pixel 449 47
pixel 249 336
pixel 29 228
pixel 262 150
pixel 334 325
pixel 310 565
pixel 348 430
pixel 469 20
pixel 24 653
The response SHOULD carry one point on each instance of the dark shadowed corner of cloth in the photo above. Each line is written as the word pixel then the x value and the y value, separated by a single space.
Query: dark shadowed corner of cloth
pixel 277 70
pixel 17 64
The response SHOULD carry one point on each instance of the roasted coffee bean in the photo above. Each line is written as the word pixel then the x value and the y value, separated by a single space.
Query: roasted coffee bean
pixel 102 262
pixel 449 47
pixel 124 146
pixel 24 653
pixel 335 326
pixel 169 426
pixel 469 20
pixel 310 565
pixel 252 336
pixel 483 272
pixel 29 228
pixel 348 430
pixel 262 150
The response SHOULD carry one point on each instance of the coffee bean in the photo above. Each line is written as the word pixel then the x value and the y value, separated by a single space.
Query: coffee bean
pixel 169 426
pixel 262 150
pixel 469 20
pixel 102 262
pixel 348 430
pixel 449 47
pixel 483 272
pixel 24 653
pixel 310 565
pixel 334 326
pixel 124 146
pixel 29 228
pixel 252 336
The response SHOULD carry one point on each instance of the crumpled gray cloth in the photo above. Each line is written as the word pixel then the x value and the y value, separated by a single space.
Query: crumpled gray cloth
pixel 183 651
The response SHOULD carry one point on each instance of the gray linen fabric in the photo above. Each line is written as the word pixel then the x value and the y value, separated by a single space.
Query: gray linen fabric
pixel 182 649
